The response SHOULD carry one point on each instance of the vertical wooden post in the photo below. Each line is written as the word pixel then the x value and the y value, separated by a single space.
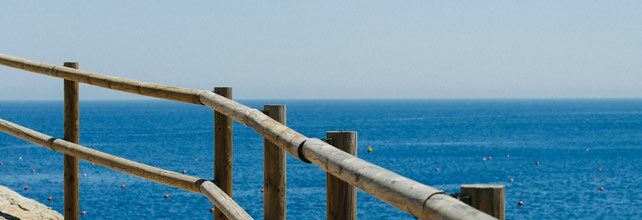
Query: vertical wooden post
pixel 486 198
pixel 71 134
pixel 274 178
pixel 223 150
pixel 341 196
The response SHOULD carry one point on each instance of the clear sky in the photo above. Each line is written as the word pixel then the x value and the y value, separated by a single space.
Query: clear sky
pixel 334 49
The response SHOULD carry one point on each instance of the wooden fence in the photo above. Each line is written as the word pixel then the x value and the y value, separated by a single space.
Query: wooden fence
pixel 417 199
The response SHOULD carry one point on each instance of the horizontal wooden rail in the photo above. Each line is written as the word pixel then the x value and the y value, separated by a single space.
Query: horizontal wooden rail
pixel 207 188
pixel 110 82
pixel 408 195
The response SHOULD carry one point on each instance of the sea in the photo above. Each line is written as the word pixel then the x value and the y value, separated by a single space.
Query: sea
pixel 563 158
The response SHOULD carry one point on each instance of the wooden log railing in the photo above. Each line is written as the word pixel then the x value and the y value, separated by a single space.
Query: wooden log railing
pixel 341 196
pixel 190 183
pixel 223 150
pixel 406 194
pixel 274 177
pixel 71 164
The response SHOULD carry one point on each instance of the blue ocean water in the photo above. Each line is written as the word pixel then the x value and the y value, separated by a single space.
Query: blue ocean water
pixel 572 140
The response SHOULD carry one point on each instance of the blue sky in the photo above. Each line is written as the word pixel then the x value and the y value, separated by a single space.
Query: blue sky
pixel 334 49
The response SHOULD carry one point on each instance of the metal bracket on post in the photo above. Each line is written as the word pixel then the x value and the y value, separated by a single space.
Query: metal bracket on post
pixel 487 198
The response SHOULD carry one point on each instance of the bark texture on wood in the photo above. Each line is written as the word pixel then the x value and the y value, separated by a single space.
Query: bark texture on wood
pixel 341 196
pixel 223 149
pixel 487 198
pixel 71 165
pixel 274 175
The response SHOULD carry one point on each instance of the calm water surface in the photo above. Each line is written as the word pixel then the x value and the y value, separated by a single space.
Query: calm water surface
pixel 571 139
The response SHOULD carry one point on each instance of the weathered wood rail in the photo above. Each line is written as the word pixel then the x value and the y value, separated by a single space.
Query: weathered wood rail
pixel 205 187
pixel 417 199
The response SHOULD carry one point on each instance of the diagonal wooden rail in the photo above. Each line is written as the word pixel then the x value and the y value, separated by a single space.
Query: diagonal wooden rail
pixel 406 194
pixel 205 187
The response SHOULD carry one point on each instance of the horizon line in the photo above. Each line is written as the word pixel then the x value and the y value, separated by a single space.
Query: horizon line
pixel 357 99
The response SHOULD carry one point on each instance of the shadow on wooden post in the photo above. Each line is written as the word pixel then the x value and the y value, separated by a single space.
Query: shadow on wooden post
pixel 487 198
pixel 274 176
pixel 341 196
pixel 223 150
pixel 71 134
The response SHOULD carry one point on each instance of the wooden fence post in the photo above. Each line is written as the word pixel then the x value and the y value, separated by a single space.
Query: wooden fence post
pixel 274 178
pixel 486 198
pixel 223 150
pixel 341 196
pixel 71 134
